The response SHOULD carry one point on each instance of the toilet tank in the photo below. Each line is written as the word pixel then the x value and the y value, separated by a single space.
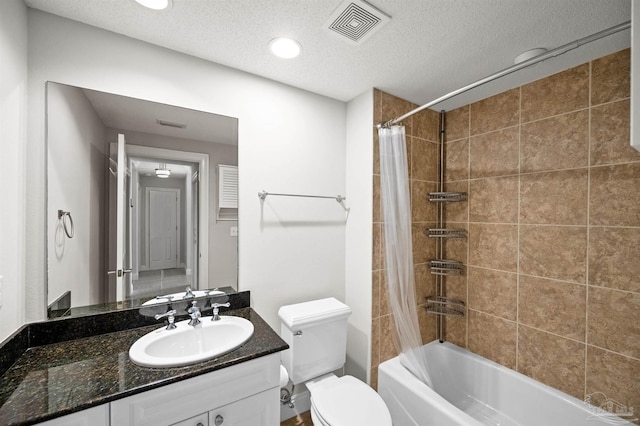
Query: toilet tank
pixel 316 332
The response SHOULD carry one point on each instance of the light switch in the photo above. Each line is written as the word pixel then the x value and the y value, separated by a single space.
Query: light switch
pixel 234 231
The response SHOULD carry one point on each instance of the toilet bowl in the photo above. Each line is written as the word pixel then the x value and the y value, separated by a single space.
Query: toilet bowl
pixel 316 333
pixel 346 401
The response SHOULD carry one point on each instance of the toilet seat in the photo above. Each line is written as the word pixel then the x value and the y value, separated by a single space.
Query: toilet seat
pixel 349 402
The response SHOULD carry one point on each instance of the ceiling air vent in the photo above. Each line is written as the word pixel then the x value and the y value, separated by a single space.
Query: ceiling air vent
pixel 356 21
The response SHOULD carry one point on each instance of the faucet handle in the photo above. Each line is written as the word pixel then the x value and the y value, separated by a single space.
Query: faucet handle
pixel 189 294
pixel 216 309
pixel 170 315
pixel 194 313
pixel 169 297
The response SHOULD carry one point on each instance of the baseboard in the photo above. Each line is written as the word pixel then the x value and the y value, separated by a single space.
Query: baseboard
pixel 301 403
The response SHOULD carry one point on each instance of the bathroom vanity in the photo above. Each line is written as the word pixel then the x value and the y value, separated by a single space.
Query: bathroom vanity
pixel 246 394
pixel 77 371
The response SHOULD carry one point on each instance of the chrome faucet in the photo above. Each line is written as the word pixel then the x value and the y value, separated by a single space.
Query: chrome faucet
pixel 189 294
pixel 170 315
pixel 194 313
pixel 216 309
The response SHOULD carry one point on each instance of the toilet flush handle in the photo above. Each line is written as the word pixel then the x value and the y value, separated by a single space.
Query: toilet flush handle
pixel 298 333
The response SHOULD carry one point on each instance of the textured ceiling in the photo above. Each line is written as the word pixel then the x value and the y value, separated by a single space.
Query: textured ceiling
pixel 429 48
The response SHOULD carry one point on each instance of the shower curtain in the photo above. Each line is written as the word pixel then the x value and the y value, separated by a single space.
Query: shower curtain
pixel 396 209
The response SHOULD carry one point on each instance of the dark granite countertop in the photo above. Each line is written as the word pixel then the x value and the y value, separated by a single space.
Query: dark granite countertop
pixel 60 378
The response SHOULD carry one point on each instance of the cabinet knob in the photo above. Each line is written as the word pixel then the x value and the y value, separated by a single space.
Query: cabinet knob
pixel 219 419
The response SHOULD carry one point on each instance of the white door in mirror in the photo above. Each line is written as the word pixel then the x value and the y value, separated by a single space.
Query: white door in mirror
pixel 186 344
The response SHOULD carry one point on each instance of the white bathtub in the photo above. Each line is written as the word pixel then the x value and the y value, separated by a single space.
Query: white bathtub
pixel 471 390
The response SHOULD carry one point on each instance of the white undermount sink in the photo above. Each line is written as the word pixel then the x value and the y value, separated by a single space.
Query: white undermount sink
pixel 186 344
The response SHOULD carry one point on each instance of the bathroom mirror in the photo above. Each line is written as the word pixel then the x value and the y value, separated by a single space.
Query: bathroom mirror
pixel 133 205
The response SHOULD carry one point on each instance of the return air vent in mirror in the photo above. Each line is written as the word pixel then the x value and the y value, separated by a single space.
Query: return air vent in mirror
pixel 356 21
pixel 171 124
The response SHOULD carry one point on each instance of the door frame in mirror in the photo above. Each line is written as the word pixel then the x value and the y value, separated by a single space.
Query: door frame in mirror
pixel 203 195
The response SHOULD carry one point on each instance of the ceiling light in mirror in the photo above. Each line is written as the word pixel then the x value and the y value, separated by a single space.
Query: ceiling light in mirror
pixel 155 4
pixel 285 47
pixel 162 171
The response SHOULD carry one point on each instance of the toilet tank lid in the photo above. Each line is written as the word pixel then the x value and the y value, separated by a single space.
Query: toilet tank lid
pixel 315 311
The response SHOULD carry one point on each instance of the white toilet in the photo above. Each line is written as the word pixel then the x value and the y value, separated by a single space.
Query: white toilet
pixel 316 332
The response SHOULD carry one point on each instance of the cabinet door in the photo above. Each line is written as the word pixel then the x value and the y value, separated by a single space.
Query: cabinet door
pixel 201 420
pixel 262 409
pixel 96 416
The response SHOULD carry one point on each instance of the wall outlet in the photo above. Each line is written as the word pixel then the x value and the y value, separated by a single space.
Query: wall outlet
pixel 234 231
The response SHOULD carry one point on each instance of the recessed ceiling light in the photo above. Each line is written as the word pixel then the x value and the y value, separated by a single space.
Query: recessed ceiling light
pixel 155 4
pixel 285 47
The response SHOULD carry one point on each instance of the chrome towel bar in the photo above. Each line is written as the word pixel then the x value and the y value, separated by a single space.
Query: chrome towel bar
pixel 263 194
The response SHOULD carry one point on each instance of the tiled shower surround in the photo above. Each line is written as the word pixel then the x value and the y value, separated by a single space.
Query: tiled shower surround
pixel 552 257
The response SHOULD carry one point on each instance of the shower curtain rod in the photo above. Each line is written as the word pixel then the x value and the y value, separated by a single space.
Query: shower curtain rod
pixel 543 57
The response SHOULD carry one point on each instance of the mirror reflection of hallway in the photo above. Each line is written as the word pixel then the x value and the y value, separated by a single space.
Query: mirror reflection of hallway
pixel 164 225
pixel 81 125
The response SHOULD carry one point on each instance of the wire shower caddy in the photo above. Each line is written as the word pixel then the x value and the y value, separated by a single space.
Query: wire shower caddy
pixel 439 304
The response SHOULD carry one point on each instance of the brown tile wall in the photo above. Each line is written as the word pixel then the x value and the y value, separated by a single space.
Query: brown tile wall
pixel 422 151
pixel 553 250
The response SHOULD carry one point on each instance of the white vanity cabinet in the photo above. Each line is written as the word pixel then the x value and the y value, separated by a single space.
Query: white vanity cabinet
pixel 95 416
pixel 244 394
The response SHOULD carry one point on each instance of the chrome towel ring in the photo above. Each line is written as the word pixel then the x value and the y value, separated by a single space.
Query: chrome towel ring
pixel 66 224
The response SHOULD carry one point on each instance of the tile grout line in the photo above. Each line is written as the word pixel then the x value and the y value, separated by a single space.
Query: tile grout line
pixel 518 230
pixel 556 280
pixel 610 351
pixel 586 302
pixel 533 172
pixel 467 320
pixel 541 225
pixel 542 330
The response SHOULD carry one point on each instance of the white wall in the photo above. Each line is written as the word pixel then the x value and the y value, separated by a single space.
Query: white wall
pixel 75 184
pixel 13 136
pixel 289 141
pixel 359 236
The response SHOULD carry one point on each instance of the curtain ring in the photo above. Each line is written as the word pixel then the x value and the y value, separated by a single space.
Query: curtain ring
pixel 67 225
